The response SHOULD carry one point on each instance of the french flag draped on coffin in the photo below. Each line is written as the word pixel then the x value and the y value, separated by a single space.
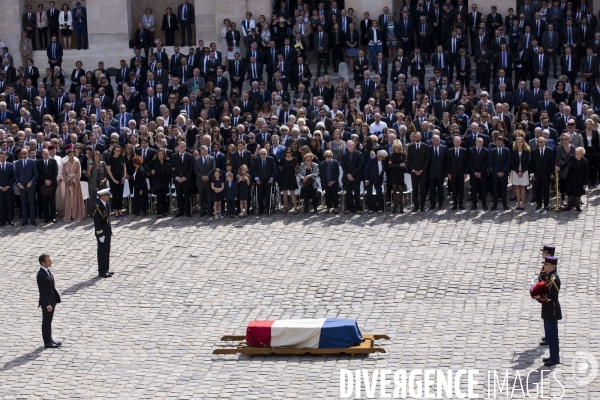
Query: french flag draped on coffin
pixel 322 333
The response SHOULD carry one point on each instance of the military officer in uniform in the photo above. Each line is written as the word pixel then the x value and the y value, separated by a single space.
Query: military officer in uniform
pixel 547 250
pixel 551 312
pixel 103 233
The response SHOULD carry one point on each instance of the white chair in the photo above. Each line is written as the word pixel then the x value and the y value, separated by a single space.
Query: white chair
pixel 152 198
pixel 85 191
pixel 342 191
pixel 127 194
pixel 172 197
pixel 408 185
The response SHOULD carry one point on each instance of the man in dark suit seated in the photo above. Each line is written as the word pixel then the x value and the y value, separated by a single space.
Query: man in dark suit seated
pixel 478 169
pixel 500 167
pixel 418 162
pixel 264 172
pixel 48 171
pixel 436 172
pixel 352 167
pixel 374 170
pixel 542 170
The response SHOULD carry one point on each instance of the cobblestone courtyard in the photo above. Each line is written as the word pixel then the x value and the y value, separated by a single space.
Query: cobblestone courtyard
pixel 448 288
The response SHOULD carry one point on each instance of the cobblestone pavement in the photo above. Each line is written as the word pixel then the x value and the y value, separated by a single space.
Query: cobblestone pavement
pixel 449 288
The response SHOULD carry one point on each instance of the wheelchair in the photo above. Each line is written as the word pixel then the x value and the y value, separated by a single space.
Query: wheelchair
pixel 274 199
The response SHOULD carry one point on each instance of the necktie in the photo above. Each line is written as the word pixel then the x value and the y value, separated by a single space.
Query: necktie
pixel 183 11
pixel 203 160
pixel 444 104
pixel 453 46
pixel 436 152
pixel 456 151
pixel 182 158
pixel 478 151
pixel 254 72
pixel 236 69
pixel 569 37
pixel 54 50
pixel 264 164
pixel 122 121
pixel 541 152
pixel 589 64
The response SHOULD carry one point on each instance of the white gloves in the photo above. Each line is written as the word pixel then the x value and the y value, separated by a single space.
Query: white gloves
pixel 101 239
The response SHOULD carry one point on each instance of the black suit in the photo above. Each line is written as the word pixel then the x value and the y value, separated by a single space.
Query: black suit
pixel 185 169
pixel 542 168
pixel 237 161
pixel 7 178
pixel 436 173
pixel 499 162
pixel 478 161
pixel 266 176
pixel 102 229
pixel 418 160
pixel 457 168
pixel 352 164
pixel 48 297
pixel 47 173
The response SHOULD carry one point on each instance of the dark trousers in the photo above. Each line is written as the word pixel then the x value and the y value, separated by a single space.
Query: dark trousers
pixel 230 207
pixel 542 190
pixel 7 205
pixel 310 194
pixel 262 190
pixel 353 195
pixel 170 38
pixel 464 80
pixel 185 26
pixel 457 183
pixel 237 84
pixel 53 31
pixel 47 325
pixel 436 191
pixel 378 193
pixel 499 188
pixel 42 33
pixel 421 75
pixel 322 61
pixel 31 35
pixel 28 203
pixel 49 205
pixel 451 68
pixel 484 79
pixel 81 36
pixel 331 196
pixel 520 75
pixel 183 198
pixel 116 190
pixel 551 331
pixel 204 197
pixel 478 189
pixel 162 205
pixel 553 57
pixel 419 184
pixel 593 168
pixel 104 255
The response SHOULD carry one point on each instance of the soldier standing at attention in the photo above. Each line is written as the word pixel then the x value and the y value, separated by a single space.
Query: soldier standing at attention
pixel 103 233
pixel 547 250
pixel 551 312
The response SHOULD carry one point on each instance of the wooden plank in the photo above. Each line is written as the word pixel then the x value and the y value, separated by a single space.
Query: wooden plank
pixel 233 338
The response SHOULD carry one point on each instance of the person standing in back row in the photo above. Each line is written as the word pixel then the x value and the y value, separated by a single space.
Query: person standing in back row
pixel 186 16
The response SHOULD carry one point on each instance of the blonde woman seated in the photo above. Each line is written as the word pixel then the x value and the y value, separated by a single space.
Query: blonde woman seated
pixel 310 180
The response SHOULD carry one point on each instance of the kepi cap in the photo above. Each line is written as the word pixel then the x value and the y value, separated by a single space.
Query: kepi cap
pixel 104 192
pixel 548 248
pixel 551 260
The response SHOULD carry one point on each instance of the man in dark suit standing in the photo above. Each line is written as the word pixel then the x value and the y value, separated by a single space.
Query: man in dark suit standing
pixel 103 233
pixel 204 167
pixel 374 171
pixel 7 195
pixel 352 167
pixel 500 167
pixel 264 172
pixel 182 169
pixel 186 17
pixel 48 300
pixel 418 162
pixel 54 53
pixel 456 166
pixel 48 171
pixel 542 172
pixel 478 169
pixel 241 157
pixel 26 175
pixel 436 172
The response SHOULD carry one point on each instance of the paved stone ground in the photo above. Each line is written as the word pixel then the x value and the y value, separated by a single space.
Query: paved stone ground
pixel 448 288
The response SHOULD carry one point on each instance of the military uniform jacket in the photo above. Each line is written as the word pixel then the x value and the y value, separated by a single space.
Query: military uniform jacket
pixel 550 305
pixel 101 220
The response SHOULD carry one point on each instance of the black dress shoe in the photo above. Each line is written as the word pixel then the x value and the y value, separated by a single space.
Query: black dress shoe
pixel 547 208
pixel 56 342
pixel 51 346
pixel 461 207
pixel 2 223
pixel 105 275
pixel 11 223
pixel 538 207
pixel 485 207
pixel 551 363
pixel 370 211
pixel 568 208
pixel 506 207
pixel 441 207
pixel 578 209
pixel 543 343
pixel 111 273
pixel 178 215
pixel 422 209
pixel 415 209
pixel 474 207
pixel 454 207
pixel 431 207
pixel 33 223
pixel 53 221
pixel 380 211
pixel 24 223
pixel 546 359
pixel 494 207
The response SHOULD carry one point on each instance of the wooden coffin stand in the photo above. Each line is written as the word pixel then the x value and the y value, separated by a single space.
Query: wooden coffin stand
pixel 366 347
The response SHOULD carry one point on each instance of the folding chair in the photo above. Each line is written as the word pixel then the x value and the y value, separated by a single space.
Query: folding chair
pixel 86 195
pixel 127 194
pixel 408 190
pixel 152 198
